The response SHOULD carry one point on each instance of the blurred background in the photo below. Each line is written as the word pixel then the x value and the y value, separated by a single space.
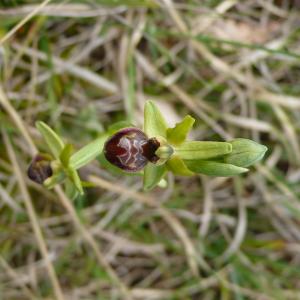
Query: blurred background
pixel 81 66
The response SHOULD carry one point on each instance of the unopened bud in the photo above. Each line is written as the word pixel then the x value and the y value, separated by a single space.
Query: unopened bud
pixel 245 153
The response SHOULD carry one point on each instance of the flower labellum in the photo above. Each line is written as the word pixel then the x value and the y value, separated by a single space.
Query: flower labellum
pixel 130 149
pixel 40 169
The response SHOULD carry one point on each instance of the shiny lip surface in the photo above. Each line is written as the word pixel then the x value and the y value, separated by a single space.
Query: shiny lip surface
pixel 130 149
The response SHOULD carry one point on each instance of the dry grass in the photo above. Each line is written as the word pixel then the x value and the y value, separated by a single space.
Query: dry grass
pixel 81 66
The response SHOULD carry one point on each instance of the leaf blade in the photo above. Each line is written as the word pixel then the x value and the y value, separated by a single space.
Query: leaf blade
pixel 87 153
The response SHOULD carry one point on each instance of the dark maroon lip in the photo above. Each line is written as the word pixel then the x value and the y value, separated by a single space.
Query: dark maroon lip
pixel 40 169
pixel 130 149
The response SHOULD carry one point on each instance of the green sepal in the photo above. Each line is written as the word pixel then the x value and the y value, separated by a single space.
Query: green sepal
pixel 53 141
pixel 202 150
pixel 57 178
pixel 66 154
pixel 74 177
pixel 177 166
pixel 71 190
pixel 245 152
pixel 154 122
pixel 88 153
pixel 153 174
pixel 212 168
pixel 178 134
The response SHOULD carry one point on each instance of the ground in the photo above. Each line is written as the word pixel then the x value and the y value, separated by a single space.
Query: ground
pixel 81 66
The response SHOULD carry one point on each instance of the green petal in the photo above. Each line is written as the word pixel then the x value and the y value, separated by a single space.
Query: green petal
pixel 177 166
pixel 53 141
pixel 87 153
pixel 154 122
pixel 202 150
pixel 213 168
pixel 153 175
pixel 178 134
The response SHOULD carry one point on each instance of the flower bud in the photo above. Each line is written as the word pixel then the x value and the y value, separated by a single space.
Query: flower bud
pixel 130 149
pixel 245 153
pixel 40 168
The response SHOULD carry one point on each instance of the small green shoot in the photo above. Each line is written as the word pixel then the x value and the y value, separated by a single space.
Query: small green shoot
pixel 159 150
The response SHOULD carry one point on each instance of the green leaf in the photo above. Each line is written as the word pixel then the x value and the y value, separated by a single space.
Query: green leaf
pixel 53 141
pixel 88 153
pixel 245 152
pixel 153 175
pixel 213 168
pixel 154 122
pixel 202 150
pixel 74 177
pixel 178 134
pixel 177 166
pixel 66 154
